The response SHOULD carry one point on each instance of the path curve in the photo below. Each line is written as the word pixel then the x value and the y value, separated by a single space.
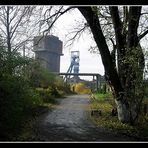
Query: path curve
pixel 70 121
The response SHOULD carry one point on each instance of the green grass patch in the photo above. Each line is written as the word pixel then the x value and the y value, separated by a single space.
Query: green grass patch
pixel 103 96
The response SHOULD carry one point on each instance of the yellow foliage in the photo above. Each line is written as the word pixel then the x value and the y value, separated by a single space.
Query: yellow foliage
pixel 80 88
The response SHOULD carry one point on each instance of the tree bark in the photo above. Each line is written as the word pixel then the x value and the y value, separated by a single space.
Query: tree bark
pixel 134 13
pixel 121 42
pixel 126 99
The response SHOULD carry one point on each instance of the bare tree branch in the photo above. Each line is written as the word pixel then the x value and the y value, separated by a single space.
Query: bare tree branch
pixel 143 35
pixel 15 14
pixel 18 22
pixel 55 16
pixel 77 35
pixel 144 13
pixel 59 13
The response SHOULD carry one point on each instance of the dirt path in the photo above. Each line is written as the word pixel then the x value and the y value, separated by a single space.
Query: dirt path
pixel 69 121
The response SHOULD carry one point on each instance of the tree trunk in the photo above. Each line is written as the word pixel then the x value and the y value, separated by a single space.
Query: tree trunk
pixel 9 41
pixel 128 112
pixel 110 70
pixel 123 111
pixel 130 74
pixel 126 86
pixel 120 35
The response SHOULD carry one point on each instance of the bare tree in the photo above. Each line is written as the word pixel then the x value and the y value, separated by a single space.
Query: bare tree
pixel 11 18
pixel 18 26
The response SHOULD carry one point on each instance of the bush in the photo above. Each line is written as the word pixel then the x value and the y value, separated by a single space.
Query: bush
pixel 49 94
pixel 80 88
pixel 38 76
pixel 46 95
pixel 16 98
pixel 19 78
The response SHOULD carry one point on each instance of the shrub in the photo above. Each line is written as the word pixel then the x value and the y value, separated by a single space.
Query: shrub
pixel 16 98
pixel 19 78
pixel 38 76
pixel 46 95
pixel 80 88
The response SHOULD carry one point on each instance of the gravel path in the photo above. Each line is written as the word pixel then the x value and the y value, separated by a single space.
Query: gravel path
pixel 70 121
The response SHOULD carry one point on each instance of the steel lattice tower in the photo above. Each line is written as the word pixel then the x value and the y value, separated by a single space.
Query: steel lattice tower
pixel 74 65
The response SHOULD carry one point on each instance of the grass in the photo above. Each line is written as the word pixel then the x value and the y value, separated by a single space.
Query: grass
pixel 106 120
pixel 102 97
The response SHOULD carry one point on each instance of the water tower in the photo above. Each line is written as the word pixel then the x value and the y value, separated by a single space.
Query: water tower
pixel 48 50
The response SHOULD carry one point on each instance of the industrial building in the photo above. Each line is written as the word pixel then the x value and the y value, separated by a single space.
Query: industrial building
pixel 48 50
pixel 74 66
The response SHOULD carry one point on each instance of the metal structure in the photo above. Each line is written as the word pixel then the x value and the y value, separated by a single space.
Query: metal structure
pixel 48 50
pixel 99 79
pixel 74 65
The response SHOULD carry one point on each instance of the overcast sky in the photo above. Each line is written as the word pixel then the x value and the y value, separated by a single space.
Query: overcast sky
pixel 89 63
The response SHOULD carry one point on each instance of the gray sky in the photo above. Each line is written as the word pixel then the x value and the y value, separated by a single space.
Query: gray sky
pixel 90 63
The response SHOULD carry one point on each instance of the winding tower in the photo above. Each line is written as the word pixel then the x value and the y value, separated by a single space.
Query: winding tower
pixel 74 65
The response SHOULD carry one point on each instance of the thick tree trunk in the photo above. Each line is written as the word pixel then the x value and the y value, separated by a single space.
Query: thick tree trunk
pixel 123 111
pixel 120 35
pixel 123 85
pixel 110 70
pixel 127 70
pixel 128 112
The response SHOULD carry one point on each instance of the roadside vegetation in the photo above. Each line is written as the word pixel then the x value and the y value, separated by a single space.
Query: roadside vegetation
pixel 80 88
pixel 105 103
